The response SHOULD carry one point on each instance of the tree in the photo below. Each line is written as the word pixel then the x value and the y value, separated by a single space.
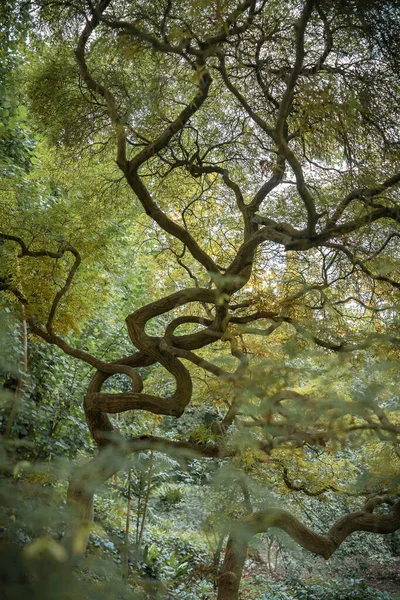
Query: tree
pixel 260 141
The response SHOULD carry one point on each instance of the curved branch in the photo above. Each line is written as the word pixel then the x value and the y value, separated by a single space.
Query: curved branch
pixel 268 186
pixel 245 209
pixel 25 251
pixel 94 85
pixel 65 287
pixel 362 194
pixel 229 27
pixel 169 331
pixel 204 364
pixel 357 262
pixel 328 41
pixel 49 335
pixel 98 404
pixel 324 545
pixel 130 169
pixel 241 99
pixel 285 104
pixel 167 224
pixel 177 125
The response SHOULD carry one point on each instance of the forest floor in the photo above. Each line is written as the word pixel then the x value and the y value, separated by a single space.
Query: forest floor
pixel 379 577
pixel 386 578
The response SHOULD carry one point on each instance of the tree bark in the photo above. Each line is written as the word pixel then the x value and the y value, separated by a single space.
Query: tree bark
pixel 82 486
pixel 232 568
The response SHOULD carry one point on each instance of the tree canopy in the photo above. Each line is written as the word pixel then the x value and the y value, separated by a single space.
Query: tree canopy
pixel 230 171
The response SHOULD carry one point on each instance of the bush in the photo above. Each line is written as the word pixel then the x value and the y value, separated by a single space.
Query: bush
pixel 171 494
pixel 353 589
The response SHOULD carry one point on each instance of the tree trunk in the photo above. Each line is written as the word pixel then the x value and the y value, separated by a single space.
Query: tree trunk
pixel 82 486
pixel 216 560
pixel 80 519
pixel 232 568
pixel 146 499
pixel 127 527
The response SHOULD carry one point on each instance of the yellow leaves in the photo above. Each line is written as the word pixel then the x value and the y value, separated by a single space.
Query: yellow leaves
pixel 59 204
pixel 303 470
pixel 200 435
pixel 382 465
pixel 250 459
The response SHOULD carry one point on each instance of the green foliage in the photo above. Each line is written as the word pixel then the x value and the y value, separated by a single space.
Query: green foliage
pixel 339 589
pixel 58 106
pixel 171 495
pixel 17 143
pixel 323 378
